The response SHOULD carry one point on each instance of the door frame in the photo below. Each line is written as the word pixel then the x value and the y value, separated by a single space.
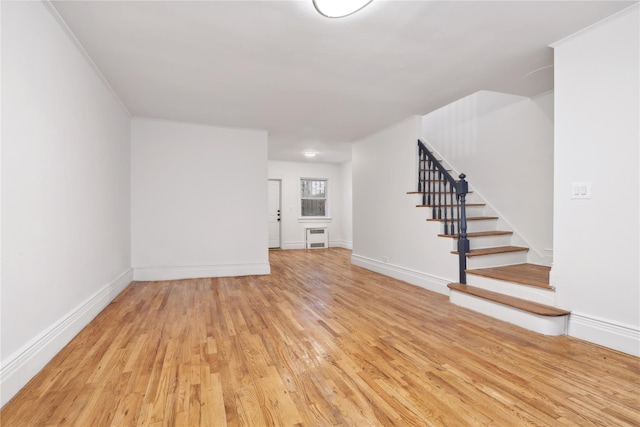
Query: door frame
pixel 279 181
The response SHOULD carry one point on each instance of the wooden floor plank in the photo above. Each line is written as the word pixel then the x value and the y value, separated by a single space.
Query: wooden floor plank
pixel 319 342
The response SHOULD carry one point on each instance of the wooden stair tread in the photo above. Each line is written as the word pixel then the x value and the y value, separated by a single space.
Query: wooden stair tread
pixel 521 304
pixel 455 206
pixel 473 218
pixel 524 274
pixel 478 234
pixel 496 250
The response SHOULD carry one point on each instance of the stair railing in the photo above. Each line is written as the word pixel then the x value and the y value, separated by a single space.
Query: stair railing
pixel 438 187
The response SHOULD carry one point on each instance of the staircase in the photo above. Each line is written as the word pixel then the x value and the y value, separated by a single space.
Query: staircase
pixel 495 278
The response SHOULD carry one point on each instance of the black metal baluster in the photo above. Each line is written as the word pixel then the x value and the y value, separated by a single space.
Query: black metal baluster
pixel 439 195
pixel 446 220
pixel 432 188
pixel 419 168
pixel 453 216
pixel 422 175
pixel 433 170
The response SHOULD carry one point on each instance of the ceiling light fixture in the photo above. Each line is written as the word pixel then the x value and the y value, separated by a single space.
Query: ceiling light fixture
pixel 310 153
pixel 339 8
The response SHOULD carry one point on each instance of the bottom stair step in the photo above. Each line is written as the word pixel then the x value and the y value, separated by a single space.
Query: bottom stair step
pixel 522 304
pixel 538 317
pixel 525 274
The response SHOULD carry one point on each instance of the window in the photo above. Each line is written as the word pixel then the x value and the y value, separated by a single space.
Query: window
pixel 313 197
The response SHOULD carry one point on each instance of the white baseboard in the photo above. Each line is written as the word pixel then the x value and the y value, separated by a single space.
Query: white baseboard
pixel 146 274
pixel 332 244
pixel 293 245
pixel 624 338
pixel 418 278
pixel 341 244
pixel 24 364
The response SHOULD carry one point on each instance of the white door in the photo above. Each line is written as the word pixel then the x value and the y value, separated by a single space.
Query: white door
pixel 274 213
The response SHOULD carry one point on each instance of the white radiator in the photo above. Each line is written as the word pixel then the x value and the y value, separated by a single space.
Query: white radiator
pixel 317 238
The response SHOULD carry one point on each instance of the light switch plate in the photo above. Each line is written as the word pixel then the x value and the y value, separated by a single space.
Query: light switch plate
pixel 581 190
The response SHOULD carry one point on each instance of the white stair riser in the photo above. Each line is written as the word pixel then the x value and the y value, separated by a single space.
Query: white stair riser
pixel 490 241
pixel 477 226
pixel 530 293
pixel 485 242
pixel 547 325
pixel 496 260
pixel 471 211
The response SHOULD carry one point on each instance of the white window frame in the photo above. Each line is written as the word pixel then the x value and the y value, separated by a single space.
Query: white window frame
pixel 327 216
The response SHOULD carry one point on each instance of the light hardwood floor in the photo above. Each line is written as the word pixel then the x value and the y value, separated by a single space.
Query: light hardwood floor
pixel 319 342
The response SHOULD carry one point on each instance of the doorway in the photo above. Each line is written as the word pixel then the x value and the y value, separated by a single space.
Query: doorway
pixel 275 225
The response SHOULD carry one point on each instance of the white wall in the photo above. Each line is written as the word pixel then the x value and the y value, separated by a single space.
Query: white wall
pixel 293 228
pixel 390 235
pixel 65 192
pixel 596 241
pixel 504 144
pixel 199 200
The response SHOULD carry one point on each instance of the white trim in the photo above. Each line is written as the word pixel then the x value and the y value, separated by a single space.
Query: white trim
pixel 332 244
pixel 310 219
pixel 25 363
pixel 199 271
pixel 199 124
pixel 63 24
pixel 594 26
pixel 418 278
pixel 327 204
pixel 341 244
pixel 279 181
pixel 618 336
pixel 293 245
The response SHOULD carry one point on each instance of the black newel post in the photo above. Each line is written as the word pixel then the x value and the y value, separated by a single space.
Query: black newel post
pixel 462 188
pixel 422 174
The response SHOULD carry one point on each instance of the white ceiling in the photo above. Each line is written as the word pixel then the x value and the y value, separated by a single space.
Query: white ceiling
pixel 313 82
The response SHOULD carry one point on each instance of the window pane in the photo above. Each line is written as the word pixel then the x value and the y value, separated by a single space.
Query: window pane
pixel 313 188
pixel 313 207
